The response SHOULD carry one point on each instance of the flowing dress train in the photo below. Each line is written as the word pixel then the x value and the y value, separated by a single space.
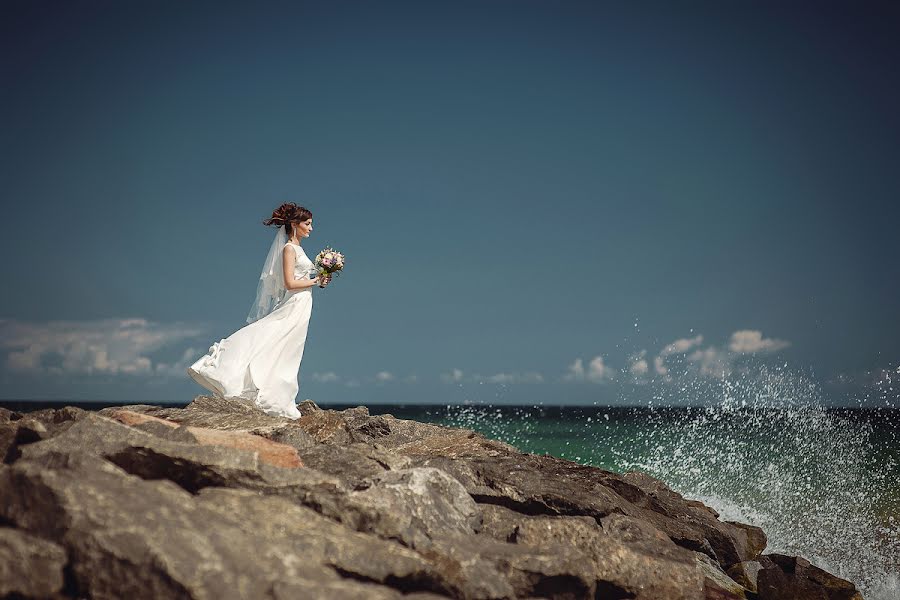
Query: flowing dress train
pixel 260 362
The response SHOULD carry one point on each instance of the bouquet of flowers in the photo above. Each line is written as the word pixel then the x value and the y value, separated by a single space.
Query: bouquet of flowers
pixel 329 261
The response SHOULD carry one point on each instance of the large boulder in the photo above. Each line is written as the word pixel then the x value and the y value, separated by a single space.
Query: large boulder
pixel 533 484
pixel 108 437
pixel 717 582
pixel 131 538
pixel 210 411
pixel 270 452
pixel 7 415
pixel 18 430
pixel 628 558
pixel 30 567
pixel 794 578
pixel 416 506
pixel 353 463
pixel 683 519
pixel 745 574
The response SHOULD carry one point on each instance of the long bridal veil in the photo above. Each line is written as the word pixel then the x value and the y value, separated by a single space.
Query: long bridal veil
pixel 270 289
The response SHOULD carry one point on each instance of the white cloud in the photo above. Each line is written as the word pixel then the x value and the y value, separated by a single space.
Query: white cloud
pixel 682 345
pixel 98 347
pixel 749 341
pixel 454 376
pixel 528 377
pixel 384 376
pixel 679 346
pixel 575 371
pixel 457 376
pixel 711 362
pixel 597 371
pixel 326 377
pixel 659 365
pixel 714 361
pixel 639 368
pixel 638 365
pixel 410 379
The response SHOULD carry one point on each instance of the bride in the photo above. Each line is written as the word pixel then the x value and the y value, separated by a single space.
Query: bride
pixel 260 362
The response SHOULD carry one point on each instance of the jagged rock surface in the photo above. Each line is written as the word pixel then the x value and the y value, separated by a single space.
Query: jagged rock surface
pixel 219 500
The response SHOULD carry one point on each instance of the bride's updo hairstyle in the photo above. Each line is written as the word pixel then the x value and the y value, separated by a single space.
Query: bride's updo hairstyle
pixel 286 214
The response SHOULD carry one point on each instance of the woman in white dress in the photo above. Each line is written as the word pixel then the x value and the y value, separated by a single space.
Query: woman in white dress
pixel 260 362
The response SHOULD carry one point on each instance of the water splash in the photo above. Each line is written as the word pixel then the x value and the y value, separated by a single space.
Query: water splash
pixel 819 482
pixel 760 448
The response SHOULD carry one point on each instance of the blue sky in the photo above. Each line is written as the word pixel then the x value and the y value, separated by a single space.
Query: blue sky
pixel 539 202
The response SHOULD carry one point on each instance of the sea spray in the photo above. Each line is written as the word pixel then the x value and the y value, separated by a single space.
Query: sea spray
pixel 759 447
pixel 769 453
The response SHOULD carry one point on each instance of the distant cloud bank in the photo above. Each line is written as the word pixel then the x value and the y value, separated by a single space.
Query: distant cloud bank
pixel 135 347
pixel 99 347
pixel 687 353
pixel 458 376
pixel 750 341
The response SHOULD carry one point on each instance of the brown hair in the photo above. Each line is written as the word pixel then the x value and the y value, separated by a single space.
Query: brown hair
pixel 286 214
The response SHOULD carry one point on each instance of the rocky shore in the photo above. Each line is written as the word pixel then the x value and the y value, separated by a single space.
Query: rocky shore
pixel 218 501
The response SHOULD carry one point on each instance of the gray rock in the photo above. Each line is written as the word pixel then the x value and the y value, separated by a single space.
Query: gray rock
pixel 423 441
pixel 352 463
pixel 370 429
pixel 8 443
pixel 30 567
pixel 16 434
pixel 7 415
pixel 58 419
pixel 286 434
pixel 630 558
pixel 307 406
pixel 718 580
pixel 756 538
pixel 411 506
pixel 485 568
pixel 690 523
pixel 745 573
pixel 191 466
pixel 501 523
pixel 132 538
pixel 175 434
pixel 19 430
pixel 212 412
pixel 543 485
pixel 416 506
pixel 794 578
pixel 326 427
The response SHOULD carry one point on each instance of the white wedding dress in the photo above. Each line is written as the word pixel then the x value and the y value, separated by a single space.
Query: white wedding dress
pixel 260 362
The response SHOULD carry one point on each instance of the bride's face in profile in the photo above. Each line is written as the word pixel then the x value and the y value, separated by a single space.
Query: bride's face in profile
pixel 302 228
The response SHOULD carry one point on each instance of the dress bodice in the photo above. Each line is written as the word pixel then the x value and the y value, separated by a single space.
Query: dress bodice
pixel 303 266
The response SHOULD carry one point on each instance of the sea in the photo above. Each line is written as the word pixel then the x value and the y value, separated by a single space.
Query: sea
pixel 824 483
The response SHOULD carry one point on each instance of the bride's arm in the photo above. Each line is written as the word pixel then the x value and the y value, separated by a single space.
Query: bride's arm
pixel 288 258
